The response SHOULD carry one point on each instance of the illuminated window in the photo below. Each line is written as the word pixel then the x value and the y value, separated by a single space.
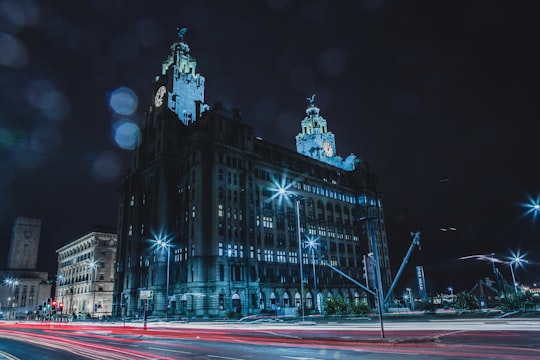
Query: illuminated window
pixel 293 258
pixel 268 222
pixel 268 255
pixel 220 210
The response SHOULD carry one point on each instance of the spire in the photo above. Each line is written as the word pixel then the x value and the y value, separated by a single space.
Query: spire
pixel 181 86
pixel 179 55
pixel 317 142
pixel 312 110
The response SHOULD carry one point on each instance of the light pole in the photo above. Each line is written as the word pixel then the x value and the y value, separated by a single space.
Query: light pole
pixel 297 199
pixel 516 260
pixel 409 298
pixel 164 244
pixel 93 265
pixel 312 244
pixel 11 282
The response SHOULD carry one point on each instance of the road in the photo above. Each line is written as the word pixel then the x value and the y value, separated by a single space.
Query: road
pixel 517 339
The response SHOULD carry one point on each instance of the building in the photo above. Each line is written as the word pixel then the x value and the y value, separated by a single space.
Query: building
pixel 204 227
pixel 85 279
pixel 23 288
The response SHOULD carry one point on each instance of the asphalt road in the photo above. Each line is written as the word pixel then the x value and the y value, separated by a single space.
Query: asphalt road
pixel 517 339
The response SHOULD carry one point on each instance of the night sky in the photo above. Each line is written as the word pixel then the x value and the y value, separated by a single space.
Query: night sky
pixel 439 98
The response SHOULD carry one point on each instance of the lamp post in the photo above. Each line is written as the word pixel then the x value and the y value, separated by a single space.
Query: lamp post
pixel 312 244
pixel 283 191
pixel 11 282
pixel 164 244
pixel 516 260
pixel 298 199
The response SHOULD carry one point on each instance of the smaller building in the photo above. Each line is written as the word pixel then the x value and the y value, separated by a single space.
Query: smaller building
pixel 23 287
pixel 85 279
pixel 21 293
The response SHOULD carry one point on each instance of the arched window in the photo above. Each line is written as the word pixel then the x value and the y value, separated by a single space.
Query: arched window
pixel 286 302
pixel 236 303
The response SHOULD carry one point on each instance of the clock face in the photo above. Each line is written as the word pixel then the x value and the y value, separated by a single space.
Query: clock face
pixel 160 93
pixel 327 148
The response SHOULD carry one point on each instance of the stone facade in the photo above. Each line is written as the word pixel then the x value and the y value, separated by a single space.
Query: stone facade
pixel 86 274
pixel 203 226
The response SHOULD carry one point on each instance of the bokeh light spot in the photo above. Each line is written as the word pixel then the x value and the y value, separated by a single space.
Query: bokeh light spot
pixel 126 134
pixel 7 139
pixel 106 167
pixel 123 101
pixel 12 52
pixel 52 103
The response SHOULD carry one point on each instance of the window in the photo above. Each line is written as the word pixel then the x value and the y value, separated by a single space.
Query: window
pixel 268 255
pixel 268 222
pixel 220 210
pixel 293 258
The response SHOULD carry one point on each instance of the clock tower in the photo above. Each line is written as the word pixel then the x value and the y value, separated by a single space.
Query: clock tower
pixel 317 142
pixel 179 87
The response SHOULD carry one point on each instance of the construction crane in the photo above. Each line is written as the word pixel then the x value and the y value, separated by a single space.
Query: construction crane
pixel 415 242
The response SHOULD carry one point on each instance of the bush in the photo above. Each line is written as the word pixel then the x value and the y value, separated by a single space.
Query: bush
pixel 231 314
pixel 338 306
pixel 466 301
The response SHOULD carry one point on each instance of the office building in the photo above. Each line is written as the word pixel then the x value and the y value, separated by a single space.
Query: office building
pixel 204 229
pixel 85 277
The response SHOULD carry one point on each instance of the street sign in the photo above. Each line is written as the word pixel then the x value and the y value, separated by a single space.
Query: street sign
pixel 147 294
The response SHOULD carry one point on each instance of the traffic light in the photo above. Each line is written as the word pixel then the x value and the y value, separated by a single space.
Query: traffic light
pixel 54 305
pixel 61 306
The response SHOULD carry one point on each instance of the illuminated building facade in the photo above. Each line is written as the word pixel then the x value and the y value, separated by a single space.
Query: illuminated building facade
pixel 85 276
pixel 201 222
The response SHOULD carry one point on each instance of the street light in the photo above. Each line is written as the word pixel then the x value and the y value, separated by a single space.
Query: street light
pixel 93 265
pixel 409 298
pixel 533 207
pixel 11 282
pixel 312 244
pixel 283 192
pixel 516 260
pixel 164 244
